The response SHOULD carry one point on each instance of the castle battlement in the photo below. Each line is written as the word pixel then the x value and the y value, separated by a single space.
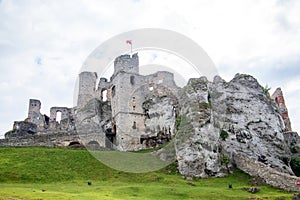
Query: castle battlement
pixel 127 63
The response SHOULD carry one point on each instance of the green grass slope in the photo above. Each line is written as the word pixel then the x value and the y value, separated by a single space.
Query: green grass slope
pixel 53 173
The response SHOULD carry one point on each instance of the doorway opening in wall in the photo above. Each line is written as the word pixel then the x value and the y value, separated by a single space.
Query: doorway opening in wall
pixel 58 116
pixel 110 138
pixel 104 95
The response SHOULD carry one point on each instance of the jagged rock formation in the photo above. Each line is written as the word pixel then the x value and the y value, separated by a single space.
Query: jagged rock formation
pixel 197 140
pixel 277 96
pixel 293 141
pixel 222 122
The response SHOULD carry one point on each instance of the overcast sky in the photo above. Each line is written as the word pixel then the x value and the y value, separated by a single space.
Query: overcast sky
pixel 44 43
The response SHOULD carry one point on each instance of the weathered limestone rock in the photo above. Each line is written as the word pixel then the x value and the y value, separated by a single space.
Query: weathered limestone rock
pixel 220 120
pixel 293 141
pixel 254 126
pixel 197 140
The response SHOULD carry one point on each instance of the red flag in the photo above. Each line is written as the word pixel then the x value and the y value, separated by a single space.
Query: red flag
pixel 128 42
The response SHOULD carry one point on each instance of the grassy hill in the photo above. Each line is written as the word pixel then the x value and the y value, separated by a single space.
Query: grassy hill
pixel 53 173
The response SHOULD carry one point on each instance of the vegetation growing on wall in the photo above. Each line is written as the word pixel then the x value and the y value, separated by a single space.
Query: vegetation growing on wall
pixel 295 165
pixel 223 134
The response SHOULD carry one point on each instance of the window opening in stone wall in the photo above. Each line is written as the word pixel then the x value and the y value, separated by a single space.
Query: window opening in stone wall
pixel 151 88
pixel 104 95
pixel 133 107
pixel 134 125
pixel 58 116
pixel 132 80
pixel 113 91
pixel 47 119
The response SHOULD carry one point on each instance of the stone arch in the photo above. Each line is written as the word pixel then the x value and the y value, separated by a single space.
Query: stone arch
pixel 93 145
pixel 58 116
pixel 73 143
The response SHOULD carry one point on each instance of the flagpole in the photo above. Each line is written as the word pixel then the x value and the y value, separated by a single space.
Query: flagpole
pixel 130 43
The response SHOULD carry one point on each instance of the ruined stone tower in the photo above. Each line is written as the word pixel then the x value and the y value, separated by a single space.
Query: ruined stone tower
pixel 87 84
pixel 127 112
pixel 34 115
pixel 126 63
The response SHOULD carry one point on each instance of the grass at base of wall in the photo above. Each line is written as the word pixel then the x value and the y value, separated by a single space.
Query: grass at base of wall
pixel 51 173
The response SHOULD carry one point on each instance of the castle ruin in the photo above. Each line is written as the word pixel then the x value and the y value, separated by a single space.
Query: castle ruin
pixel 121 116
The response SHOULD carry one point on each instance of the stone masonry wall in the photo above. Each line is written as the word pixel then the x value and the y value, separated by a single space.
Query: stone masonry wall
pixel 34 115
pixel 87 88
pixel 270 175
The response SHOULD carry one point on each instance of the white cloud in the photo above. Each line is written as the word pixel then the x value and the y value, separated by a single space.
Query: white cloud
pixel 250 36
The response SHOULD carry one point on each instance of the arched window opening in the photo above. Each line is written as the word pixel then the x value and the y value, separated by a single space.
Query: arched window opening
pixel 104 95
pixel 58 116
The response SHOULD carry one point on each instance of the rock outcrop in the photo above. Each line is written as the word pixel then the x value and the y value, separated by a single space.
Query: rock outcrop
pixel 224 121
pixel 277 96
